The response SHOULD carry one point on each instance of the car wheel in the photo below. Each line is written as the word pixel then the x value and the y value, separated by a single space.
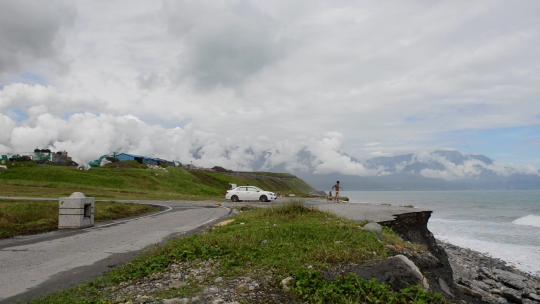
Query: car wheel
pixel 263 198
pixel 234 198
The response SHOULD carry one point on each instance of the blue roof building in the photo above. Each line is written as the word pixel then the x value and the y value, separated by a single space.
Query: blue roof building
pixel 142 159
pixel 132 157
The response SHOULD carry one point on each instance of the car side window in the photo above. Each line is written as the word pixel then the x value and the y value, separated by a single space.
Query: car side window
pixel 253 189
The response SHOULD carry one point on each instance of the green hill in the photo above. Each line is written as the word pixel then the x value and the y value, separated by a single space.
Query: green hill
pixel 141 183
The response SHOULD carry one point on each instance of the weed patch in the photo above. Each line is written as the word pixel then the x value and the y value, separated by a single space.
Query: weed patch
pixel 21 217
pixel 311 287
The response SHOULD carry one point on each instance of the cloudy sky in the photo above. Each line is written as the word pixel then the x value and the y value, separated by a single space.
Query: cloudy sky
pixel 239 82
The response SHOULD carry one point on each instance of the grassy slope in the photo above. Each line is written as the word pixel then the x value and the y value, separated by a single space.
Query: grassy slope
pixel 277 242
pixel 19 217
pixel 170 183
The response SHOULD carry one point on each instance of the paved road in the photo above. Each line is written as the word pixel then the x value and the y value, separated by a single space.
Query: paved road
pixel 32 266
pixel 353 211
pixel 366 212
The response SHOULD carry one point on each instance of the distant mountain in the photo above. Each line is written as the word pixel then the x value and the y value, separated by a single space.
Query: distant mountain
pixel 437 170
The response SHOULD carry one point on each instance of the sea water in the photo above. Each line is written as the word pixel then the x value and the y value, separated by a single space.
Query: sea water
pixel 502 224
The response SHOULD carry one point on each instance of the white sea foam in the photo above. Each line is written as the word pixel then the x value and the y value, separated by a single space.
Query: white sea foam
pixel 525 258
pixel 528 220
pixel 521 252
pixel 492 222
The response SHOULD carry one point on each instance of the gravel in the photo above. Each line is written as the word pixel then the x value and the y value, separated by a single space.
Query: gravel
pixel 490 279
pixel 203 279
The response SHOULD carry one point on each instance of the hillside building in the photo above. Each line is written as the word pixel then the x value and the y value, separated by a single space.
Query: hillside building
pixel 42 155
pixel 151 161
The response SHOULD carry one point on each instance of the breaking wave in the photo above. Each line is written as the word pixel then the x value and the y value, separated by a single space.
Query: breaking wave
pixel 528 220
pixel 525 258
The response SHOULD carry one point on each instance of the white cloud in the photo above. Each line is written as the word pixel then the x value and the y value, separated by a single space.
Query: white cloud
pixel 331 159
pixel 87 136
pixel 237 80
pixel 470 168
pixel 6 125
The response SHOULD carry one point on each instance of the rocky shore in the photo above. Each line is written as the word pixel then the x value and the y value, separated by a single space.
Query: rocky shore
pixel 490 280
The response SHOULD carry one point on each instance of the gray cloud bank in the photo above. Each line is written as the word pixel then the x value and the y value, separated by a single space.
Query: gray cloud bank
pixel 224 44
pixel 258 84
pixel 30 33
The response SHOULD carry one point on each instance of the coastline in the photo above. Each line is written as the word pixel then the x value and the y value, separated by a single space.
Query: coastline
pixel 499 224
pixel 490 279
pixel 478 277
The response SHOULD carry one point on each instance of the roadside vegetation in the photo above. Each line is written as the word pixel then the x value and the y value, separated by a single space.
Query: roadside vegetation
pixel 25 217
pixel 248 258
pixel 132 180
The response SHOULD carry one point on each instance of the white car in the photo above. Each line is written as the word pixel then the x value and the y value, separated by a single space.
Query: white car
pixel 249 193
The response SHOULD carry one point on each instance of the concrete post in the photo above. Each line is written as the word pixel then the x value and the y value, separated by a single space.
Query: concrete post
pixel 76 211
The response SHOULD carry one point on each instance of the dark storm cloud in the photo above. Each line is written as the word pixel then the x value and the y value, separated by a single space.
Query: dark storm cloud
pixel 29 31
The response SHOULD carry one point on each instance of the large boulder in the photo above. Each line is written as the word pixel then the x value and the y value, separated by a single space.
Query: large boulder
pixel 425 260
pixel 511 295
pixel 398 271
pixel 445 288
pixel 510 279
pixel 374 228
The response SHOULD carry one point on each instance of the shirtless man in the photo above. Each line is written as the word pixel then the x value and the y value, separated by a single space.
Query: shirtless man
pixel 337 188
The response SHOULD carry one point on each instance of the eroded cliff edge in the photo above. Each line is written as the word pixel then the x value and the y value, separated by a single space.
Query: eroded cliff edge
pixel 463 274
pixel 434 264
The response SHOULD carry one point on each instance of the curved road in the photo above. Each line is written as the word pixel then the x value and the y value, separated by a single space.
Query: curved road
pixel 36 265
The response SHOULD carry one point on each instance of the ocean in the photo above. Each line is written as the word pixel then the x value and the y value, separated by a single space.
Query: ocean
pixel 502 224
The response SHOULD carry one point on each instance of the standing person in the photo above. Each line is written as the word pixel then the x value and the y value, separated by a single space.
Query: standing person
pixel 337 188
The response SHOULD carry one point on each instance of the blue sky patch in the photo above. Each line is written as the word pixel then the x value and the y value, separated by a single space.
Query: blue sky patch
pixel 17 114
pixel 31 78
pixel 517 145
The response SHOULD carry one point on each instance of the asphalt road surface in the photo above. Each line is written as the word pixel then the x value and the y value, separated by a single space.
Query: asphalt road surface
pixel 36 265
pixel 366 212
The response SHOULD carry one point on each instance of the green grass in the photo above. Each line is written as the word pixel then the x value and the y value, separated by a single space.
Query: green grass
pixel 21 217
pixel 313 288
pixel 277 242
pixel 133 182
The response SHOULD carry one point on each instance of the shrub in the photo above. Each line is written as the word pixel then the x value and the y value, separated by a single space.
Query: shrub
pixel 292 209
pixel 312 287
